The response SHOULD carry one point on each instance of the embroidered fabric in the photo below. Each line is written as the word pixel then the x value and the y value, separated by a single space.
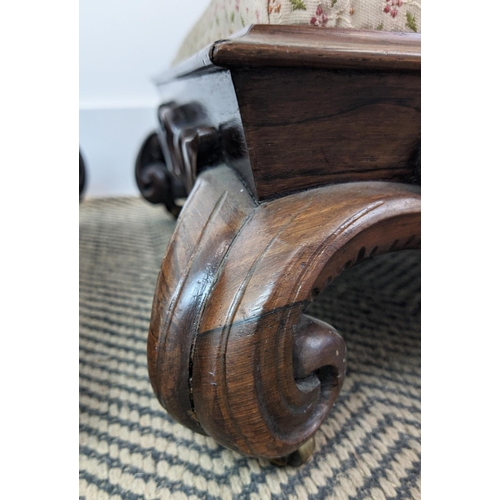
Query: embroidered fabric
pixel 222 18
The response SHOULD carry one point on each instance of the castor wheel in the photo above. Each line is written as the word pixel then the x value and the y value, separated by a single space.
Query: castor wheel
pixel 155 182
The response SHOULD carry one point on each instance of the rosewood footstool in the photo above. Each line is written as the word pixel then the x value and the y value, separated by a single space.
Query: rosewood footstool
pixel 299 150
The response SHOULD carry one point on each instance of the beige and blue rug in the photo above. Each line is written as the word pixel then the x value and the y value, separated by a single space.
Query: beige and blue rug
pixel 369 447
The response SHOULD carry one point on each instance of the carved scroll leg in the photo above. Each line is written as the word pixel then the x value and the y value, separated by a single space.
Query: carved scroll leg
pixel 231 352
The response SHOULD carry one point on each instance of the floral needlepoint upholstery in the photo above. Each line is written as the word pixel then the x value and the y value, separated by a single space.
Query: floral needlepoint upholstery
pixel 222 18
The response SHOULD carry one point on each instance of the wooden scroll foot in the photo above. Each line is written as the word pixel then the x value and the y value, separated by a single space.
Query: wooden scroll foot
pixel 231 352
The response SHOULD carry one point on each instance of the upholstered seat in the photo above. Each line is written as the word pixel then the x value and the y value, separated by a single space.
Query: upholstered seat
pixel 222 18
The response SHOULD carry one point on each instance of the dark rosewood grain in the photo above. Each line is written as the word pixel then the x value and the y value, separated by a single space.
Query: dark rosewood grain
pixel 308 46
pixel 305 46
pixel 298 107
pixel 313 127
pixel 205 229
pixel 211 98
pixel 231 352
pixel 294 134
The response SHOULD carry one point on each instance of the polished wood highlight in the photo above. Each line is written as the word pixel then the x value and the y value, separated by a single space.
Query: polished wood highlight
pixel 305 46
pixel 295 107
pixel 299 46
pixel 197 103
pixel 231 350
pixel 205 230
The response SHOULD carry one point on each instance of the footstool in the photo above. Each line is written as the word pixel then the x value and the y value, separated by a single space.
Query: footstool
pixel 298 148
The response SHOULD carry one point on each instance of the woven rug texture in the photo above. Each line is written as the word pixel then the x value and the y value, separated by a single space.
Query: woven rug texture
pixel 130 448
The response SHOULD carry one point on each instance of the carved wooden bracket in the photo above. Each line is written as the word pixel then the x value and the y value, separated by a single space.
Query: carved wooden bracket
pixel 169 160
pixel 231 352
pixel 188 142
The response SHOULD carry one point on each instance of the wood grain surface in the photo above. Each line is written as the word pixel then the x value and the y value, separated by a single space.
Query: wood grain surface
pixel 308 128
pixel 305 46
pixel 299 46
pixel 231 350
pixel 295 107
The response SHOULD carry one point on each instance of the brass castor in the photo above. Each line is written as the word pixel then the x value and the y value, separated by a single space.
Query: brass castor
pixel 298 457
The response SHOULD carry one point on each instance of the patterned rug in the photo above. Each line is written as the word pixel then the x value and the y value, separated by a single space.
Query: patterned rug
pixel 130 448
